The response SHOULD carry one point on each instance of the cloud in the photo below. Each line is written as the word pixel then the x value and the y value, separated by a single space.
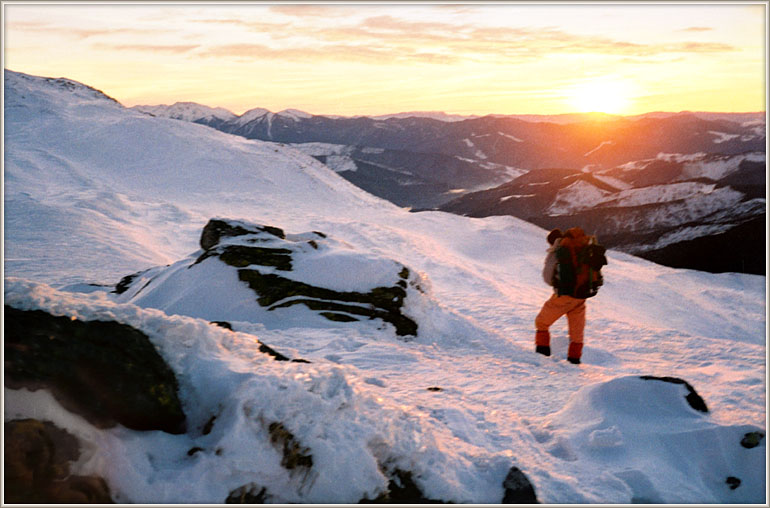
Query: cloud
pixel 697 29
pixel 390 39
pixel 342 52
pixel 309 11
pixel 148 48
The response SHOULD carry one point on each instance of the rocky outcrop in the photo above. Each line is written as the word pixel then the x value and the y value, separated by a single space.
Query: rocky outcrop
pixel 107 372
pixel 36 466
pixel 286 270
pixel 275 291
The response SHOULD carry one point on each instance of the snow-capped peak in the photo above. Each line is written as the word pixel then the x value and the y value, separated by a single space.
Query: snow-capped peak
pixel 294 114
pixel 252 115
pixel 189 111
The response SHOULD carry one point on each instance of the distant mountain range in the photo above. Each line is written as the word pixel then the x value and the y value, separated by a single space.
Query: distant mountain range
pixel 683 189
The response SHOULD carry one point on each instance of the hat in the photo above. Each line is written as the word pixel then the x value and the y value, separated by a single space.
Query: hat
pixel 554 235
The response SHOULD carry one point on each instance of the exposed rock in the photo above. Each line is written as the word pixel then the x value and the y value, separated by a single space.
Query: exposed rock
pixel 125 283
pixel 248 494
pixel 36 463
pixel 733 482
pixel 294 455
pixel 752 439
pixel 382 302
pixel 209 426
pixel 223 324
pixel 257 252
pixel 518 488
pixel 692 397
pixel 216 229
pixel 105 371
pixel 275 291
pixel 402 490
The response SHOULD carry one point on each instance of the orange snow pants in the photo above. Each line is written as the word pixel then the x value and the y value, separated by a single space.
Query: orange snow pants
pixel 556 307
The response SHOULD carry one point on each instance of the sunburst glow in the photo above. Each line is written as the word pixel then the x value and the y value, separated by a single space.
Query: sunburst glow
pixel 601 96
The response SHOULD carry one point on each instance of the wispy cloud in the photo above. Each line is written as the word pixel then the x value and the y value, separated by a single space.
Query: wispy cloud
pixel 361 53
pixel 697 29
pixel 148 48
pixel 310 11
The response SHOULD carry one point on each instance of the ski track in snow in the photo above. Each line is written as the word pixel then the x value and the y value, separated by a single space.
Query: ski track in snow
pixel 76 215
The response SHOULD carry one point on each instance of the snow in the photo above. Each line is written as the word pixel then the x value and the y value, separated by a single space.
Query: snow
pixel 599 147
pixel 721 137
pixel 612 182
pixel 716 168
pixel 294 114
pixel 187 111
pixel 252 115
pixel 577 196
pixel 672 192
pixel 514 138
pixel 338 157
pixel 94 192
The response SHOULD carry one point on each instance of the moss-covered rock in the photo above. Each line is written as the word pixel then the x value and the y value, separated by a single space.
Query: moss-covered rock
pixel 293 454
pixel 36 466
pixel 384 303
pixel 105 371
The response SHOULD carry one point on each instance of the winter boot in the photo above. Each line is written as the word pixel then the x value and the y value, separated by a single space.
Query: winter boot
pixel 543 342
pixel 574 352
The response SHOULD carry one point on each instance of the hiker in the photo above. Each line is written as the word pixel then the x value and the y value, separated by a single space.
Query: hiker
pixel 573 282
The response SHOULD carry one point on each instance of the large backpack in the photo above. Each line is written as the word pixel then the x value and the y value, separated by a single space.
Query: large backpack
pixel 579 260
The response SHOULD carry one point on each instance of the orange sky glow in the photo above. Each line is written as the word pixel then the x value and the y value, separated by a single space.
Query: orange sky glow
pixel 370 58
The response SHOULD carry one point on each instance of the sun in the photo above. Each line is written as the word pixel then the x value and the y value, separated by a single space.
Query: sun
pixel 600 96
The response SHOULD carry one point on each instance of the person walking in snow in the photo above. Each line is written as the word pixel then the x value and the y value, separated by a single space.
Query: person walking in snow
pixel 560 304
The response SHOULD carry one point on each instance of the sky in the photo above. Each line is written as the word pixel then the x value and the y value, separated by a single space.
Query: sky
pixel 349 58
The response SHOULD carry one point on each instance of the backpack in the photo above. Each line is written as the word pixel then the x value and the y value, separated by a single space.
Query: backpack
pixel 579 259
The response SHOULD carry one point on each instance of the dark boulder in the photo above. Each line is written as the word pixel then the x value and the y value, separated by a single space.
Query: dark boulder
pixel 105 371
pixel 217 229
pixel 36 466
pixel 518 488
pixel 752 439
pixel 402 490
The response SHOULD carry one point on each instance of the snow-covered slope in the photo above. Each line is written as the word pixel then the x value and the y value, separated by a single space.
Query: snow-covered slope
pixel 95 192
pixel 103 182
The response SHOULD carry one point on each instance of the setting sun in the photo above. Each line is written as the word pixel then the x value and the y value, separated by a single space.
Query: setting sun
pixel 601 97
